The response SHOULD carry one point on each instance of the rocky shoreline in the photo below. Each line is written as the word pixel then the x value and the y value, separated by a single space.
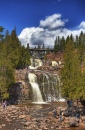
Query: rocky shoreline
pixel 26 117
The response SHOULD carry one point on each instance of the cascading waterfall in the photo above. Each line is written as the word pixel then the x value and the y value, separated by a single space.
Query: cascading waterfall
pixel 45 82
pixel 50 87
pixel 36 91
pixel 35 63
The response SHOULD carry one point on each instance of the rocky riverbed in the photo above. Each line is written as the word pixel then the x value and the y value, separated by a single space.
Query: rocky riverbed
pixel 37 117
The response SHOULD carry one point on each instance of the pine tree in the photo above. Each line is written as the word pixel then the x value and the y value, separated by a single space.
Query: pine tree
pixel 6 73
pixel 24 60
pixel 56 45
pixel 1 30
pixel 14 48
pixel 70 73
pixel 62 44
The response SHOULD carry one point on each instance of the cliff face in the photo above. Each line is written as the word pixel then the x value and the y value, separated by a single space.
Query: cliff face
pixel 53 63
pixel 21 90
pixel 56 57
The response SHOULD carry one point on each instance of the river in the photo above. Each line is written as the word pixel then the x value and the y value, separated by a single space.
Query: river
pixel 41 110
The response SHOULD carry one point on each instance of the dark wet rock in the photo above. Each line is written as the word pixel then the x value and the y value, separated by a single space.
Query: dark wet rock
pixel 67 113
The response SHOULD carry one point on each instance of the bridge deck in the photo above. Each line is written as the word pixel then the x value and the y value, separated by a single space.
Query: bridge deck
pixel 40 49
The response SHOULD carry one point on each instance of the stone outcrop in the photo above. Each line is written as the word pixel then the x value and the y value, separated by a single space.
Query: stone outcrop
pixel 73 122
pixel 21 90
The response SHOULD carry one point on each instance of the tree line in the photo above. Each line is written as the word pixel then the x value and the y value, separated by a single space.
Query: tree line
pixel 12 56
pixel 73 72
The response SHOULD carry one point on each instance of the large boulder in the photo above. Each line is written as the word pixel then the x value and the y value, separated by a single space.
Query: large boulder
pixel 21 90
pixel 73 122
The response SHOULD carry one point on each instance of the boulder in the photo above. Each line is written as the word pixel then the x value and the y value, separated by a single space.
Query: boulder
pixel 73 122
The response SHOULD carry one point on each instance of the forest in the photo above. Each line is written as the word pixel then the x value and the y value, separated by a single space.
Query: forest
pixel 73 72
pixel 12 56
pixel 15 56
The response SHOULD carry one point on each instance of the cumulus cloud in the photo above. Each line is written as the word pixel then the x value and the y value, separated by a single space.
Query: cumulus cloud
pixel 52 22
pixel 47 31
pixel 27 35
pixel 82 24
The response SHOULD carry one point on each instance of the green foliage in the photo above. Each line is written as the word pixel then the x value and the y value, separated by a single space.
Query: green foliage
pixel 12 56
pixel 6 73
pixel 59 44
pixel 56 46
pixel 24 59
pixel 17 54
pixel 6 95
pixel 70 73
pixel 73 79
pixel 1 30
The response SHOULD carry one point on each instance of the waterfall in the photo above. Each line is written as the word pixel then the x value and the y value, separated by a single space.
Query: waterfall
pixel 50 86
pixel 47 85
pixel 36 91
pixel 35 63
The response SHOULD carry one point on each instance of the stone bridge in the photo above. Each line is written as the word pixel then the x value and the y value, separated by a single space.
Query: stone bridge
pixel 39 52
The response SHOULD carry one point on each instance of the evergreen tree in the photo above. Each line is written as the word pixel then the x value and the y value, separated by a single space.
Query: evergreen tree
pixel 59 44
pixel 6 73
pixel 76 43
pixel 70 73
pixel 62 44
pixel 56 45
pixel 71 38
pixel 81 47
pixel 1 30
pixel 12 56
pixel 24 59
pixel 67 39
pixel 14 48
pixel 7 37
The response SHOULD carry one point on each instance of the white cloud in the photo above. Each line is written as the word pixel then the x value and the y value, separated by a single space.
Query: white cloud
pixel 82 24
pixel 46 33
pixel 27 34
pixel 52 22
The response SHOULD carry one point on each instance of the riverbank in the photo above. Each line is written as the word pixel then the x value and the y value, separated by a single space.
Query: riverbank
pixel 35 117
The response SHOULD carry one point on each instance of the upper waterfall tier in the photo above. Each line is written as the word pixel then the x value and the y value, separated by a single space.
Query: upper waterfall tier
pixel 35 63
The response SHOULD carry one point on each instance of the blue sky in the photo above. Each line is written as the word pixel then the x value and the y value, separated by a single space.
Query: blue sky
pixel 40 21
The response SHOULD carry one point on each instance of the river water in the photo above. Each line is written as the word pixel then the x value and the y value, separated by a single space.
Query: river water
pixel 42 109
